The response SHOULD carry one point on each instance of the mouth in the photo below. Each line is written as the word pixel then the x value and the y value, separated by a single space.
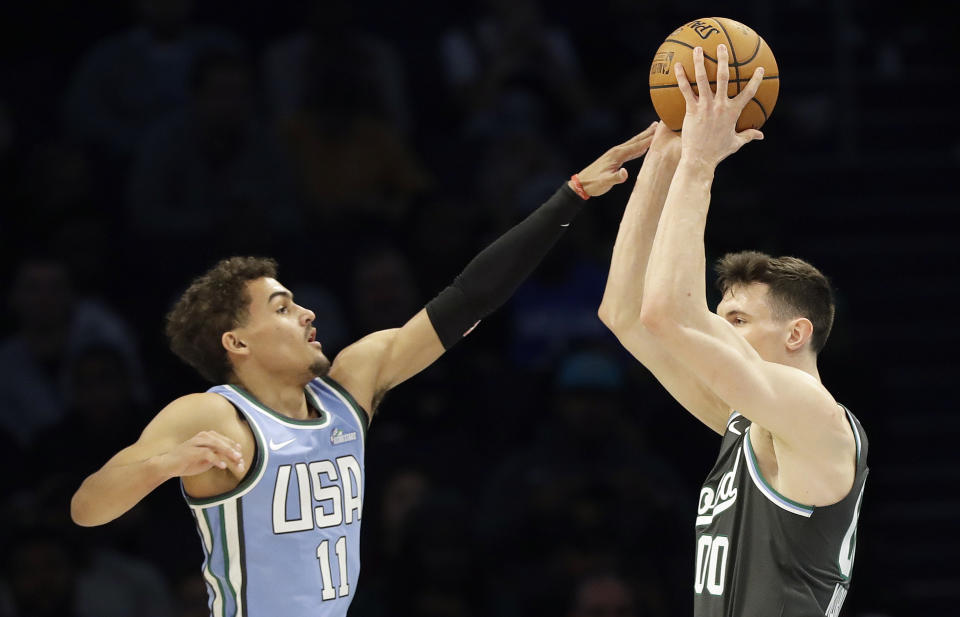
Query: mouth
pixel 312 337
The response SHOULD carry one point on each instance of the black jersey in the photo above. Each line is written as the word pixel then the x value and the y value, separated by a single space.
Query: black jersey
pixel 760 554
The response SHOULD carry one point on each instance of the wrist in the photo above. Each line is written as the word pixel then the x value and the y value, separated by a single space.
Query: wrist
pixel 158 469
pixel 577 187
pixel 696 167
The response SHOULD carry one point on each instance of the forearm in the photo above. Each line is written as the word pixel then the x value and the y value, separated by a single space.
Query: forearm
pixel 495 273
pixel 676 274
pixel 623 295
pixel 111 491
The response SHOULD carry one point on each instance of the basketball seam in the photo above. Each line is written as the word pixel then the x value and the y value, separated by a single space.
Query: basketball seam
pixel 693 83
pixel 762 110
pixel 755 52
pixel 736 65
pixel 689 46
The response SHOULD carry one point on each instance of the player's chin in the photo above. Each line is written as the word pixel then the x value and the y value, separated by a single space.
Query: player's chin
pixel 320 366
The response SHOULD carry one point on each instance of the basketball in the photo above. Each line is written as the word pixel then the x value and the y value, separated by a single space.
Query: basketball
pixel 746 49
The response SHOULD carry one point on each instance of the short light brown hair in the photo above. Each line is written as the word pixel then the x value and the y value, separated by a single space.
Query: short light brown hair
pixel 797 289
pixel 216 302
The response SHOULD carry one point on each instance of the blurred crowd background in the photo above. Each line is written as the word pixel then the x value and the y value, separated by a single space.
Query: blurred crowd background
pixel 373 148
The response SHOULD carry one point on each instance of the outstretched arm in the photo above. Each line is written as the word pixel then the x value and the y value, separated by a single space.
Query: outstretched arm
pixel 782 399
pixel 382 360
pixel 623 296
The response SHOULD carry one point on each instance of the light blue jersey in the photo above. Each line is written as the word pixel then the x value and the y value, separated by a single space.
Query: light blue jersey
pixel 286 541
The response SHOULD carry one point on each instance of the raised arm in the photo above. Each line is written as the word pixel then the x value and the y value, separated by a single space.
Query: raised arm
pixel 786 401
pixel 382 360
pixel 623 296
pixel 194 437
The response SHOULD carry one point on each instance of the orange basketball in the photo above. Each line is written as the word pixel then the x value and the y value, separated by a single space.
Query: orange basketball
pixel 746 50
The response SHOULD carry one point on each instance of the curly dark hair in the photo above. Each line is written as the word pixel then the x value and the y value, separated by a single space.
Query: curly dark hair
pixel 215 302
pixel 797 289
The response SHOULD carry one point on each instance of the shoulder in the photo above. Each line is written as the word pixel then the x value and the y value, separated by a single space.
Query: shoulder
pixel 199 412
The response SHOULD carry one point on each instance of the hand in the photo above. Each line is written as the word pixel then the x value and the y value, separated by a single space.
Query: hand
pixel 600 176
pixel 709 126
pixel 203 451
pixel 666 143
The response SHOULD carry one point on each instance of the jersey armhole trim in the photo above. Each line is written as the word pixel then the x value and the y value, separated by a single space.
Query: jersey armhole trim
pixel 856 431
pixel 768 491
pixel 362 417
pixel 248 482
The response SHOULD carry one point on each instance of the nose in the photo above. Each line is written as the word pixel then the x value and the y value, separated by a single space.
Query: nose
pixel 307 317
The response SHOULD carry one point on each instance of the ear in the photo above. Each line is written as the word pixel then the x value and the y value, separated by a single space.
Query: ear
pixel 232 342
pixel 801 330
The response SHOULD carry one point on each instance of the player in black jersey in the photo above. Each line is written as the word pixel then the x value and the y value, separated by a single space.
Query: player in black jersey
pixel 777 515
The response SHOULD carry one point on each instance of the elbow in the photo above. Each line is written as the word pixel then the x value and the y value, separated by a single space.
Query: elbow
pixel 614 318
pixel 606 315
pixel 656 316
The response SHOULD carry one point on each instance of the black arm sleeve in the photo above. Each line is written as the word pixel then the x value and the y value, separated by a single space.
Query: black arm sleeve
pixel 494 274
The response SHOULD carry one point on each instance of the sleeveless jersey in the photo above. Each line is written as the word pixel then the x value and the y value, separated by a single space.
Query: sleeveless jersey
pixel 286 541
pixel 759 554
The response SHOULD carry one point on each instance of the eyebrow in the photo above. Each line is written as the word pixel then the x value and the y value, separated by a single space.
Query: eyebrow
pixel 735 312
pixel 279 293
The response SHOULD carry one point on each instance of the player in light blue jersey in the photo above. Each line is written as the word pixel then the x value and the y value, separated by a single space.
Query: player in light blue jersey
pixel 271 461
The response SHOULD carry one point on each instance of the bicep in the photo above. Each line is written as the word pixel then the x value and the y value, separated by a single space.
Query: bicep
pixel 174 424
pixel 682 384
pixel 385 359
pixel 774 395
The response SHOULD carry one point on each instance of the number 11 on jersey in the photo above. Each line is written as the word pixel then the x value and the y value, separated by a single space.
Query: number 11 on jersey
pixel 323 555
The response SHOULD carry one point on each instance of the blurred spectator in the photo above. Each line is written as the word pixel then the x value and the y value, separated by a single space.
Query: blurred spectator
pixel 511 65
pixel 55 184
pixel 115 584
pixel 128 80
pixel 556 309
pixel 586 492
pixel 603 595
pixel 334 35
pixel 104 414
pixel 352 160
pixel 404 494
pixel 52 325
pixel 40 572
pixel 211 167
pixel 191 596
pixel 516 171
pixel 46 574
pixel 383 290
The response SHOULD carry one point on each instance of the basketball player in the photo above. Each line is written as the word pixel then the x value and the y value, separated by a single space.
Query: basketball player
pixel 271 460
pixel 777 515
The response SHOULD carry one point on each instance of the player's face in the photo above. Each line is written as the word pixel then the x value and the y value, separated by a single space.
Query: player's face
pixel 279 333
pixel 747 310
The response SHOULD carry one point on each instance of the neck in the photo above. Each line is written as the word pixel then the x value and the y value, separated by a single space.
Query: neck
pixel 806 363
pixel 285 397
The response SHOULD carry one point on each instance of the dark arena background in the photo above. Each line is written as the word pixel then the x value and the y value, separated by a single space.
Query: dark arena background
pixel 373 149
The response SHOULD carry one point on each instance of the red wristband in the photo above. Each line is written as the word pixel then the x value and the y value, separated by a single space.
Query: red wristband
pixel 578 188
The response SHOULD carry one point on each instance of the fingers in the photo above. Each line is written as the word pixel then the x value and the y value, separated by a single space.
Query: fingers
pixel 634 147
pixel 684 84
pixel 751 88
pixel 749 135
pixel 723 71
pixel 645 134
pixel 226 449
pixel 703 83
